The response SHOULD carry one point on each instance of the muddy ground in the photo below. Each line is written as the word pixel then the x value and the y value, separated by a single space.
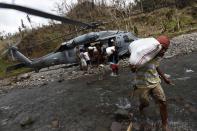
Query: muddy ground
pixel 89 104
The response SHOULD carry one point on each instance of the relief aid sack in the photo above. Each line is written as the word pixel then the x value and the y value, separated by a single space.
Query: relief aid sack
pixel 143 50
pixel 83 63
pixel 109 50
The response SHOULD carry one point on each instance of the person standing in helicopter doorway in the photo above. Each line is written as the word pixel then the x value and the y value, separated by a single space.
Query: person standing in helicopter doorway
pixel 113 58
pixel 83 60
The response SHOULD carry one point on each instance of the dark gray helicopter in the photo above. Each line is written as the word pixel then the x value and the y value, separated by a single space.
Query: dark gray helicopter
pixel 66 53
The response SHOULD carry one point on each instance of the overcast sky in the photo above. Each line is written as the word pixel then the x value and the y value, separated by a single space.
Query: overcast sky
pixel 10 20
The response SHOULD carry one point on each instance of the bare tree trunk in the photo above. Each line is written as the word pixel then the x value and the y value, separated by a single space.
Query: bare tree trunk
pixel 92 4
pixel 141 6
pixel 154 4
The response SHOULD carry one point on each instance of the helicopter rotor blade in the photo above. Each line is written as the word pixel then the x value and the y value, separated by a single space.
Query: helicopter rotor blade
pixel 44 14
pixel 9 45
pixel 12 55
pixel 4 52
pixel 17 42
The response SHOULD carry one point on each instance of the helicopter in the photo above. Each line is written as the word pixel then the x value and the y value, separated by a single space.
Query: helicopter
pixel 66 53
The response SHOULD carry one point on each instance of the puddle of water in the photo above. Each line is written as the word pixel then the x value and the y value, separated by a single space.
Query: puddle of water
pixel 181 125
pixel 123 103
pixel 5 107
pixel 189 71
pixel 183 78
pixel 105 92
pixel 4 122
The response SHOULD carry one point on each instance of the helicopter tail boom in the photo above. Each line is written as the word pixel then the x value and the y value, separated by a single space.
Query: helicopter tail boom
pixel 14 67
pixel 19 56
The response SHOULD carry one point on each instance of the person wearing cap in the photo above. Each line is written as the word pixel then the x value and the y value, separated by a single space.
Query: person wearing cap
pixel 147 82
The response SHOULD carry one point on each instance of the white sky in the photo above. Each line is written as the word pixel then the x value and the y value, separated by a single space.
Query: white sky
pixel 10 20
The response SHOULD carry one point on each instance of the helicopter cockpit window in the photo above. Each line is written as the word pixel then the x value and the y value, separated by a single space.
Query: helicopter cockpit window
pixel 127 39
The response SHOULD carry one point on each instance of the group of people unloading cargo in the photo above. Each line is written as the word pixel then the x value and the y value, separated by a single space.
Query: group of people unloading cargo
pixel 94 54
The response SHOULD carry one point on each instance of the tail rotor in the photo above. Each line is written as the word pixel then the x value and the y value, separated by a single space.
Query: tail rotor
pixel 11 53
pixel 10 47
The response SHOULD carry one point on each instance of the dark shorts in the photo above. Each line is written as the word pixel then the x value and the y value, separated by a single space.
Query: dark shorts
pixel 88 62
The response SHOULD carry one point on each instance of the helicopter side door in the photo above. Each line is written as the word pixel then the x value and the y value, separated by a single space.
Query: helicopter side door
pixel 70 56
pixel 123 41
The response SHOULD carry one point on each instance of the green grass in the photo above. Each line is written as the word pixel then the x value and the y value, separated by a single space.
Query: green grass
pixel 4 64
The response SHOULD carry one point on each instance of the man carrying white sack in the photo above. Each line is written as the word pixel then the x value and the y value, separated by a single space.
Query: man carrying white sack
pixel 147 76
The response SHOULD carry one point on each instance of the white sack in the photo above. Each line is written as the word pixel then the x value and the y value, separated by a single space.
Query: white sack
pixel 109 50
pixel 83 63
pixel 143 50
pixel 92 48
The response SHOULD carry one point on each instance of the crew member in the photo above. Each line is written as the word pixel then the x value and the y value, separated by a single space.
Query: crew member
pixel 83 60
pixel 87 58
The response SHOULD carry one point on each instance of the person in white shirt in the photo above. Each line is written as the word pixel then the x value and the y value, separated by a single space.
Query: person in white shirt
pixel 94 56
pixel 83 60
pixel 88 61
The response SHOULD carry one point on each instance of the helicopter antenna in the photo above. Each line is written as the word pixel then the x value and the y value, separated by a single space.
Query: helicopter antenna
pixel 44 14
